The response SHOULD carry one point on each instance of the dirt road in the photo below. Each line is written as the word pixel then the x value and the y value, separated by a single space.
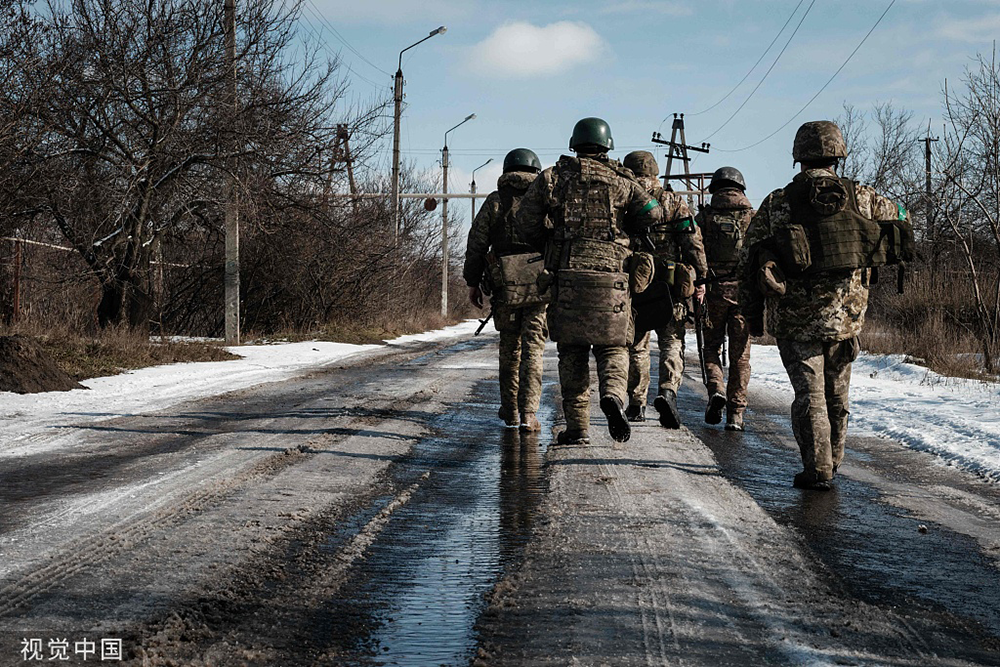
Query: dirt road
pixel 375 514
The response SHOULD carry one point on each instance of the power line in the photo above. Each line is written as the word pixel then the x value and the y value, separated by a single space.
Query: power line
pixel 811 99
pixel 750 71
pixel 718 129
pixel 340 37
pixel 326 47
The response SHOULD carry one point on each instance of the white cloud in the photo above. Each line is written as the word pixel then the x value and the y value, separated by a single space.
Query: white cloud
pixel 980 29
pixel 520 49
pixel 648 6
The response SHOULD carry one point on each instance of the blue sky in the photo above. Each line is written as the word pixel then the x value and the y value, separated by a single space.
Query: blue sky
pixel 530 70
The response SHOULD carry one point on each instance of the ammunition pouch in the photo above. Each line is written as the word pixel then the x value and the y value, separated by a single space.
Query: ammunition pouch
pixel 683 283
pixel 591 308
pixel 641 271
pixel 900 246
pixel 517 280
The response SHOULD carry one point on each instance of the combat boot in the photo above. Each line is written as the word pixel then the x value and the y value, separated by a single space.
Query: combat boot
pixel 618 425
pixel 666 405
pixel 529 422
pixel 810 482
pixel 734 421
pixel 713 413
pixel 573 436
pixel 509 417
pixel 636 413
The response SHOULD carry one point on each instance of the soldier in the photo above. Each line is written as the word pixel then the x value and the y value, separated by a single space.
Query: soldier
pixel 676 239
pixel 522 327
pixel 724 225
pixel 807 251
pixel 581 212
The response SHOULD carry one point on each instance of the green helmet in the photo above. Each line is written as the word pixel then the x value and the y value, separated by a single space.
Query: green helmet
pixel 591 132
pixel 818 140
pixel 642 163
pixel 727 177
pixel 522 159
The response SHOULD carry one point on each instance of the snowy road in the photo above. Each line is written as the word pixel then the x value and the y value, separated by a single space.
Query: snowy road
pixel 366 509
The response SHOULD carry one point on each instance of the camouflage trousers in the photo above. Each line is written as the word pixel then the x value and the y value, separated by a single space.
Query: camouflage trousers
pixel 574 377
pixel 670 340
pixel 522 341
pixel 725 317
pixel 820 373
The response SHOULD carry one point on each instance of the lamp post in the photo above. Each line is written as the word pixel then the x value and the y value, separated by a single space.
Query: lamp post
pixel 397 95
pixel 473 190
pixel 444 218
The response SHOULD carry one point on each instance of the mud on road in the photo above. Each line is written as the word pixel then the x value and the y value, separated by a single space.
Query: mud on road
pixel 376 514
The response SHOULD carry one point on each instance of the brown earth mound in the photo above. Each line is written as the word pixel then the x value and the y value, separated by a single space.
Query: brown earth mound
pixel 25 369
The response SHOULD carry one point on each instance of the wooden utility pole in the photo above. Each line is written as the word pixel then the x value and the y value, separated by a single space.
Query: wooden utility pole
pixel 679 150
pixel 929 233
pixel 232 273
pixel 342 154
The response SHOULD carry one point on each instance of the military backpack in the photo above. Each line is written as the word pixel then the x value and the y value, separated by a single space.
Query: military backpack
pixel 723 231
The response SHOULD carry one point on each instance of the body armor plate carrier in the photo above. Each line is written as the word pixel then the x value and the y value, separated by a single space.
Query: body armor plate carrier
pixel 827 232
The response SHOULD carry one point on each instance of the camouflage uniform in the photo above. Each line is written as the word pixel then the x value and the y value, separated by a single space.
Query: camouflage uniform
pixel 676 247
pixel 816 323
pixel 722 308
pixel 522 330
pixel 542 212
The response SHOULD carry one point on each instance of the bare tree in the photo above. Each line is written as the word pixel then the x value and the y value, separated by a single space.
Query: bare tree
pixel 138 138
pixel 970 196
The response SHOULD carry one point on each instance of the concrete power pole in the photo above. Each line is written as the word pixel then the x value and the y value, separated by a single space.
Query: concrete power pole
pixel 397 111
pixel 232 272
pixel 444 233
pixel 929 233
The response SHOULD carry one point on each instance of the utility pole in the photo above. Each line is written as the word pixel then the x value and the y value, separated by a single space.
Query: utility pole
pixel 444 232
pixel 929 234
pixel 473 189
pixel 679 150
pixel 397 95
pixel 444 219
pixel 232 272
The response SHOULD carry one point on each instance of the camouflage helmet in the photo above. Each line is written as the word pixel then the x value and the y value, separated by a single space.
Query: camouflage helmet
pixel 522 159
pixel 642 163
pixel 592 132
pixel 818 140
pixel 727 177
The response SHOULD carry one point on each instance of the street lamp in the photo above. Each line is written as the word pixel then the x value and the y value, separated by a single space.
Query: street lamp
pixel 473 190
pixel 397 94
pixel 444 218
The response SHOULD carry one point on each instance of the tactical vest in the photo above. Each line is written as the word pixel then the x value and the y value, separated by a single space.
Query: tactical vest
pixel 591 303
pixel 723 231
pixel 827 231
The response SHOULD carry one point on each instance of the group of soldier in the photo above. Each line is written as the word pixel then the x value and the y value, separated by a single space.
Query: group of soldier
pixel 597 254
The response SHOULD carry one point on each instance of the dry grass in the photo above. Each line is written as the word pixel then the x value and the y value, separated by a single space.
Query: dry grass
pixel 114 351
pixel 358 333
pixel 923 323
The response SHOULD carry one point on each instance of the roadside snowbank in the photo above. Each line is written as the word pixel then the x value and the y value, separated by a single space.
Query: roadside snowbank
pixel 31 423
pixel 954 418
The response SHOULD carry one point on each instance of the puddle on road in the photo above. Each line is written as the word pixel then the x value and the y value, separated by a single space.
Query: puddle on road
pixel 875 549
pixel 417 594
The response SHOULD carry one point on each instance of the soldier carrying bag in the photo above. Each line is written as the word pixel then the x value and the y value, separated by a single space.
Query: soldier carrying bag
pixel 517 280
pixel 591 308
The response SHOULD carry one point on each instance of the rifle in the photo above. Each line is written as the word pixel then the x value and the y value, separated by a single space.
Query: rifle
pixel 482 323
pixel 699 332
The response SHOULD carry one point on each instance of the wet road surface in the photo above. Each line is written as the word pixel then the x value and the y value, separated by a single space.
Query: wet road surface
pixel 377 514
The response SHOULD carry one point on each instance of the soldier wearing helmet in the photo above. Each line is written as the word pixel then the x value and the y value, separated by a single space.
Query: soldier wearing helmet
pixel 801 253
pixel 581 213
pixel 724 223
pixel 522 327
pixel 674 241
